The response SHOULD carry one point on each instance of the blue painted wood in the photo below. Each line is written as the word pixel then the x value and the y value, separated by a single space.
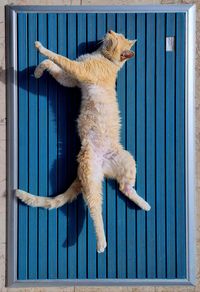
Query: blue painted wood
pixel 102 265
pixel 91 239
pixel 140 147
pixel 81 208
pixel 23 146
pixel 170 152
pixel 62 159
pixel 151 92
pixel 180 147
pixel 150 144
pixel 131 146
pixel 43 155
pixel 71 168
pixel 111 201
pixel 33 146
pixel 121 199
pixel 160 146
pixel 52 152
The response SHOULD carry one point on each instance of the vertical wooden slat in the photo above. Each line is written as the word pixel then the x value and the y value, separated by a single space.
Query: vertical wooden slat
pixel 91 251
pixel 81 208
pixel 160 146
pixel 23 121
pixel 101 30
pixel 150 144
pixel 121 199
pixel 180 147
pixel 43 155
pixel 131 146
pixel 111 199
pixel 170 151
pixel 63 136
pixel 33 144
pixel 72 208
pixel 52 152
pixel 140 150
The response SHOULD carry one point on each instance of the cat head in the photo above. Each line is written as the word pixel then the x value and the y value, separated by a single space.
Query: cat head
pixel 117 48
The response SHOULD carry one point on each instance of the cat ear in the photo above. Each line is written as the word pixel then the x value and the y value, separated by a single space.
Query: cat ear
pixel 132 42
pixel 127 54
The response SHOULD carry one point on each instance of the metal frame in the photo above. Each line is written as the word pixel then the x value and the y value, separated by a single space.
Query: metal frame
pixel 12 145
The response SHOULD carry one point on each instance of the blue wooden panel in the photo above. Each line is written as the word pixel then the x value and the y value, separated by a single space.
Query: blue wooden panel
pixel 131 146
pixel 170 152
pixel 52 152
pixel 71 104
pixel 61 244
pixel 62 159
pixel 91 248
pixel 121 199
pixel 102 265
pixel 33 146
pixel 43 156
pixel 140 148
pixel 180 147
pixel 160 146
pixel 23 146
pixel 81 208
pixel 111 201
pixel 150 144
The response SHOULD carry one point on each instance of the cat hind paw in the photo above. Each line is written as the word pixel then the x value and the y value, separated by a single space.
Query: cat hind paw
pixel 101 245
pixel 141 202
pixel 145 206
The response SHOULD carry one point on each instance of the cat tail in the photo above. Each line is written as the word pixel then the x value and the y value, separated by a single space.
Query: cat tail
pixel 50 203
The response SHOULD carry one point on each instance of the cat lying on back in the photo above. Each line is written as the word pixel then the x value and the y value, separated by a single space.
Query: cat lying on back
pixel 101 153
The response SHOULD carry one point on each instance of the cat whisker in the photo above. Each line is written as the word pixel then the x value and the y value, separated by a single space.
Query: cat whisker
pixel 100 42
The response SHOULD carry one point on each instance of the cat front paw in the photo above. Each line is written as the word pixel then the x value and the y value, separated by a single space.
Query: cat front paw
pixel 38 45
pixel 38 71
pixel 101 245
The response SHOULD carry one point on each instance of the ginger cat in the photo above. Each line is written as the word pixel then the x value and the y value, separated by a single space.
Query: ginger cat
pixel 101 153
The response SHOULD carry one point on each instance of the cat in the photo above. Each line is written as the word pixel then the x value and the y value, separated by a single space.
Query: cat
pixel 101 153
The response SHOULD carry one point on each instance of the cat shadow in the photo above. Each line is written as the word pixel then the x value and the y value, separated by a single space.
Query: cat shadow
pixel 63 105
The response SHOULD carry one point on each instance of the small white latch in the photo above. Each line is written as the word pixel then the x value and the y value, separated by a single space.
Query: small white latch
pixel 170 44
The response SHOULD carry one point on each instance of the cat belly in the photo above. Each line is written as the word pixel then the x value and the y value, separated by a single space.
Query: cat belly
pixel 99 122
pixel 99 135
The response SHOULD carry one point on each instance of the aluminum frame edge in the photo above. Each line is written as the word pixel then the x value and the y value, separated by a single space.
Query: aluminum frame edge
pixel 12 139
pixel 12 142
pixel 190 145
pixel 157 8
pixel 102 282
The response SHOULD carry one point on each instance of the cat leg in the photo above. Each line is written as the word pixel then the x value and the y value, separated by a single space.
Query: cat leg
pixel 59 74
pixel 93 200
pixel 131 193
pixel 126 178
pixel 121 166
pixel 76 70
pixel 91 175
